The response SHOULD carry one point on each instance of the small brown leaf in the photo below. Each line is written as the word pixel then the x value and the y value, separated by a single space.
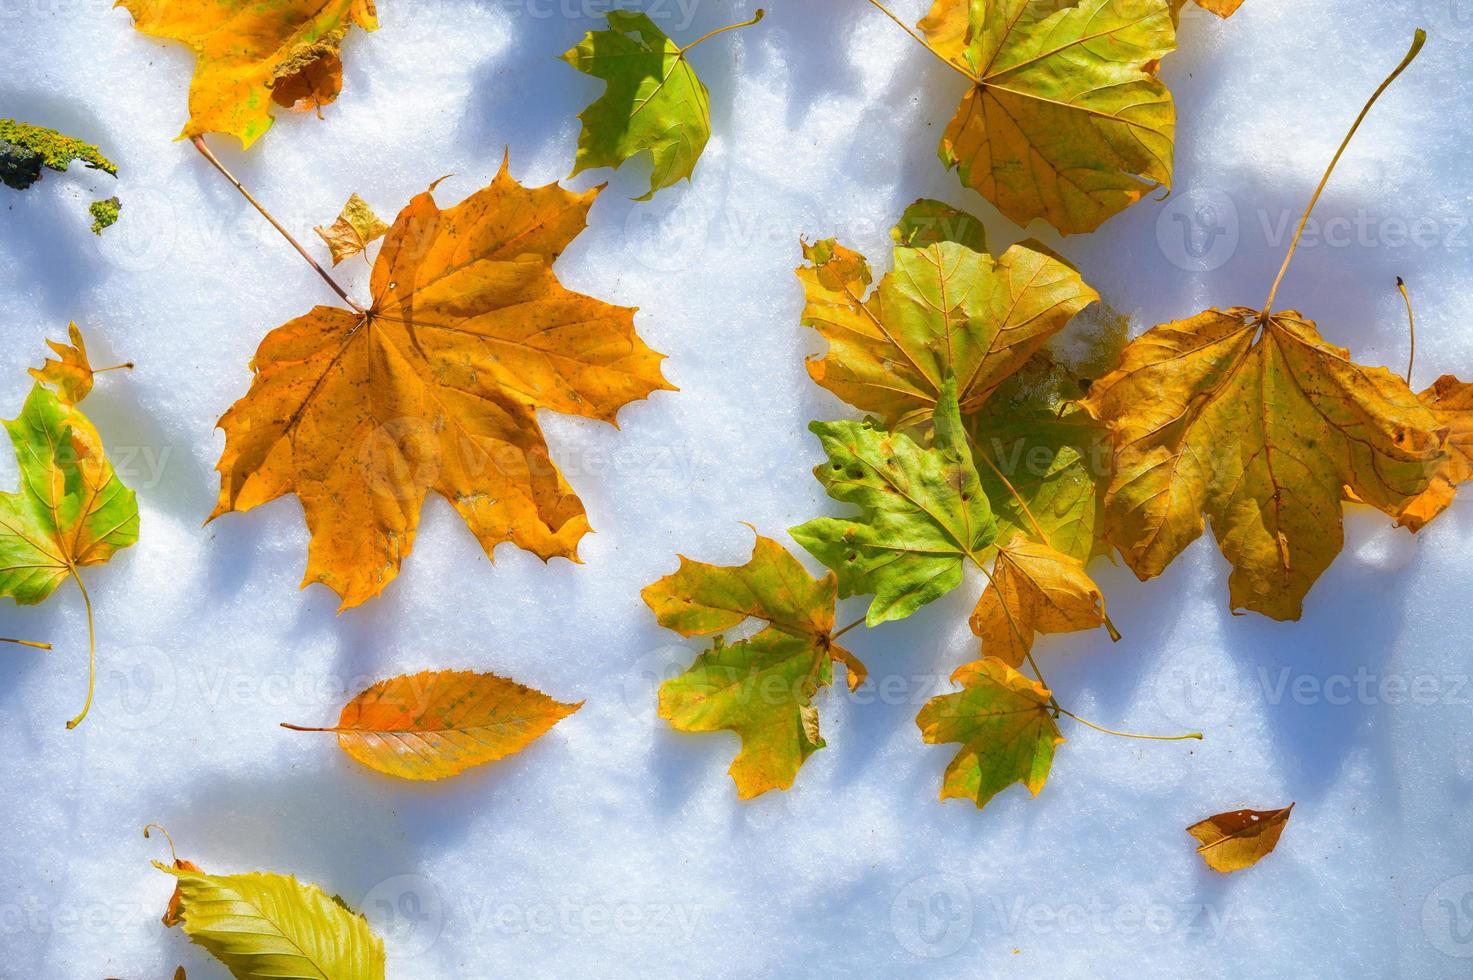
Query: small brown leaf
pixel 1240 838
pixel 356 228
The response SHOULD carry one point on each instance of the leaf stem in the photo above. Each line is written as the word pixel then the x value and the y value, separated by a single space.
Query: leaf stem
pixel 722 30
pixel 91 653
pixel 26 643
pixel 1417 44
pixel 858 622
pixel 924 43
pixel 173 854
pixel 1147 738
pixel 125 366
pixel 208 154
pixel 305 728
pixel 1411 325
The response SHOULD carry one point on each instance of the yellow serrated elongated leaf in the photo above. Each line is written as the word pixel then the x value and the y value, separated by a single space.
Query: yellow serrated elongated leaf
pixel 1240 838
pixel 1006 731
pixel 1034 589
pixel 436 724
pixel 272 926
pixel 1066 119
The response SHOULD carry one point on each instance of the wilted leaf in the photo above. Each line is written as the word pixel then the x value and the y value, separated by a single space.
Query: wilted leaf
pixel 944 309
pixel 762 688
pixel 654 101
pixel 1034 589
pixel 1003 722
pixel 72 510
pixel 1451 403
pixel 1258 425
pixel 272 926
pixel 437 724
pixel 436 387
pixel 251 55
pixel 355 229
pixel 922 512
pixel 1066 119
pixel 1239 839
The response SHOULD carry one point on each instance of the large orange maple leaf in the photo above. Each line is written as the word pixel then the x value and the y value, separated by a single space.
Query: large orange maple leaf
pixel 435 386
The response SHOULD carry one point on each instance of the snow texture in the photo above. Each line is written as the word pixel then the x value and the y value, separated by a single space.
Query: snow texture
pixel 615 846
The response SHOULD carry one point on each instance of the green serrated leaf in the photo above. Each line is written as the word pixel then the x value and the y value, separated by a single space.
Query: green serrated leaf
pixel 272 926
pixel 1003 722
pixel 654 101
pixel 923 512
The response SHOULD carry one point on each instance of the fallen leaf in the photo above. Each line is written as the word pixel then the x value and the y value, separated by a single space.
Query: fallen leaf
pixel 922 512
pixel 355 229
pixel 1451 403
pixel 1066 119
pixel 654 102
pixel 1003 722
pixel 1034 589
pixel 1239 839
pixel 70 375
pixel 946 308
pixel 251 56
pixel 762 688
pixel 271 926
pixel 1222 8
pixel 436 387
pixel 436 724
pixel 1258 425
pixel 72 510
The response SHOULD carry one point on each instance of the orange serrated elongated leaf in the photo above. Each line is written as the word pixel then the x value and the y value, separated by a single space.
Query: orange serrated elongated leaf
pixel 1003 722
pixel 1222 8
pixel 1240 838
pixel 1451 402
pixel 436 387
pixel 945 308
pixel 437 724
pixel 1258 425
pixel 1034 589
pixel 761 688
pixel 1066 119
pixel 250 55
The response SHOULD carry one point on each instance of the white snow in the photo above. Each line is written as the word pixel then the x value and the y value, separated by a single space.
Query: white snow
pixel 615 846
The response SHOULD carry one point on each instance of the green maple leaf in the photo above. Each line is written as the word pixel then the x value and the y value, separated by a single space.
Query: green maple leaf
pixel 761 688
pixel 923 512
pixel 654 102
pixel 1003 722
pixel 71 511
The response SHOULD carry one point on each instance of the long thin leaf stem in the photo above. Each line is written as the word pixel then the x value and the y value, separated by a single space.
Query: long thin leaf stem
pixel 1417 44
pixel 858 622
pixel 208 154
pixel 1147 738
pixel 173 854
pixel 91 653
pixel 1411 325
pixel 757 19
pixel 923 42
pixel 26 643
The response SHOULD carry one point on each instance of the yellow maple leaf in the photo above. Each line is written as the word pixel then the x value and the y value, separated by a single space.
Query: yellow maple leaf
pixel 436 386
pixel 250 55
pixel 1451 403
pixel 1034 589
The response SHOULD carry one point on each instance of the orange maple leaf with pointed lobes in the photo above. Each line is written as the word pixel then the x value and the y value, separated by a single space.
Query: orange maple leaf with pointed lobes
pixel 251 55
pixel 1451 403
pixel 436 386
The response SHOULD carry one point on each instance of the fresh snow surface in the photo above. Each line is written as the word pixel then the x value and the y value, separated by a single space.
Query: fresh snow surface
pixel 615 846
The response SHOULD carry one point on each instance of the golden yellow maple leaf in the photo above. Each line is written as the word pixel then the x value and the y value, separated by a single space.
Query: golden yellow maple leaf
pixel 1034 589
pixel 1240 838
pixel 1451 402
pixel 250 55
pixel 436 386
pixel 355 229
pixel 1066 119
